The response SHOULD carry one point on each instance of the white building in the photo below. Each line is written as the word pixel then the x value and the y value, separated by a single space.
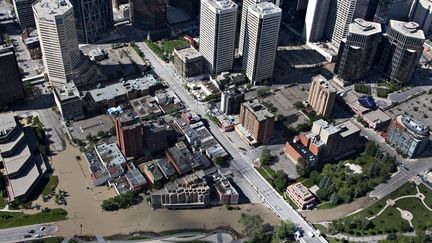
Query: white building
pixel 217 34
pixel 342 13
pixel 422 14
pixel 58 39
pixel 315 21
pixel 261 38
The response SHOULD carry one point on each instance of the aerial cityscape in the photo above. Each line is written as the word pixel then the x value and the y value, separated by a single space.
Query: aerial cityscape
pixel 216 121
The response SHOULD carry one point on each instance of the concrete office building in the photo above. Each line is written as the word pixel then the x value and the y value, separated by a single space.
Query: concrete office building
pixel 255 122
pixel 231 101
pixel 23 168
pixel 401 50
pixel 94 19
pixel 261 39
pixel 11 86
pixel 68 101
pixel 24 13
pixel 393 9
pixel 218 22
pixel 322 96
pixel 341 14
pixel 408 135
pixel 148 14
pixel 245 8
pixel 315 21
pixel 188 62
pixel 422 14
pixel 357 50
pixel 59 43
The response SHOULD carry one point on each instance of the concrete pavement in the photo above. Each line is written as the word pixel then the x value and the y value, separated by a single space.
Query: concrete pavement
pixel 266 192
pixel 17 234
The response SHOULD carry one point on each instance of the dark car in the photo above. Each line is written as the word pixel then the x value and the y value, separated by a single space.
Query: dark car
pixel 31 231
pixel 27 236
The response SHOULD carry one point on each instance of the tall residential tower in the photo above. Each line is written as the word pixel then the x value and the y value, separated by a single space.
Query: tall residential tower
pixel 217 34
pixel 261 38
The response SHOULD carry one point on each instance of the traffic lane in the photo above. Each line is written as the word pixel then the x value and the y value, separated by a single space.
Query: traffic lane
pixel 17 234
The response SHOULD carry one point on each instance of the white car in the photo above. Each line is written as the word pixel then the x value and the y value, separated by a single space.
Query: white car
pixel 38 236
pixel 42 228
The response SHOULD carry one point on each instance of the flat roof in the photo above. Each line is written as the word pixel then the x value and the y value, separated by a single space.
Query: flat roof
pixel 67 91
pixel 301 190
pixel 264 9
pixel 377 116
pixel 7 123
pixel 258 110
pixel 363 27
pixel 153 169
pixel 221 4
pixel 19 159
pixel 107 93
pixel 186 54
pixel 410 29
pixel 52 7
pixel 22 184
pixel 135 177
pixel 110 154
pixel 324 83
pixel 166 167
pixel 347 128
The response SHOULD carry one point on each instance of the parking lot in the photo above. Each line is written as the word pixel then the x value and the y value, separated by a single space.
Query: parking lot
pixel 284 100
pixel 80 129
pixel 419 107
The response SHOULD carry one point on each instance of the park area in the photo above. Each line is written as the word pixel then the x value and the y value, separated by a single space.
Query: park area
pixel 406 209
pixel 16 219
pixel 164 48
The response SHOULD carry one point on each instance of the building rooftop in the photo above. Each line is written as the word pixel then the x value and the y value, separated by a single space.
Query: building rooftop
pixel 7 123
pixel 411 29
pixel 221 4
pixel 363 27
pixel 153 169
pixel 67 91
pixel 52 7
pixel 413 125
pixel 110 154
pixel 182 157
pixel 142 83
pixel 265 9
pixel 135 177
pixel 21 185
pixel 377 116
pixel 324 83
pixel 108 93
pixel 186 54
pixel 166 167
pixel 301 190
pixel 347 128
pixel 258 110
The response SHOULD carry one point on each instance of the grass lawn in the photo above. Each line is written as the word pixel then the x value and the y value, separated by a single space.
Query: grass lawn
pixel 364 161
pixel 326 205
pixel 50 240
pixel 390 219
pixel 14 219
pixel 267 172
pixel 52 183
pixel 170 45
pixel 306 182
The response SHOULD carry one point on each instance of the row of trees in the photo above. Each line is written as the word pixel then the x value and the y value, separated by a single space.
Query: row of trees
pixel 254 228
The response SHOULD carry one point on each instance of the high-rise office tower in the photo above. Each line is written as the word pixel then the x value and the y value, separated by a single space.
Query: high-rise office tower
pixel 58 38
pixel 24 13
pixel 422 14
pixel 357 50
pixel 94 19
pixel 261 39
pixel 11 86
pixel 217 34
pixel 148 14
pixel 341 14
pixel 315 21
pixel 322 96
pixel 401 51
pixel 392 9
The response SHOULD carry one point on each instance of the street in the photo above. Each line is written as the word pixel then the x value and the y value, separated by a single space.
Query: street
pixel 261 187
pixel 17 234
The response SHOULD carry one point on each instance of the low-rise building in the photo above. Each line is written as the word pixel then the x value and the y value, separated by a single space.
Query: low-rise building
pixel 188 62
pixel 110 155
pixel 166 168
pixel 180 157
pixel 231 101
pixel 191 191
pixel 152 172
pixel 97 54
pixel 324 142
pixel 23 169
pixel 300 195
pixel 190 117
pixel 136 180
pixel 408 135
pixel 226 78
pixel 226 192
pixel 100 174
pixel 68 101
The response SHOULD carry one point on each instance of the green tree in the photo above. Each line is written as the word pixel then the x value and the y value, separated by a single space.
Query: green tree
pixel 280 180
pixel 323 194
pixel 285 230
pixel 252 227
pixel 220 161
pixel 302 167
pixel 265 157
